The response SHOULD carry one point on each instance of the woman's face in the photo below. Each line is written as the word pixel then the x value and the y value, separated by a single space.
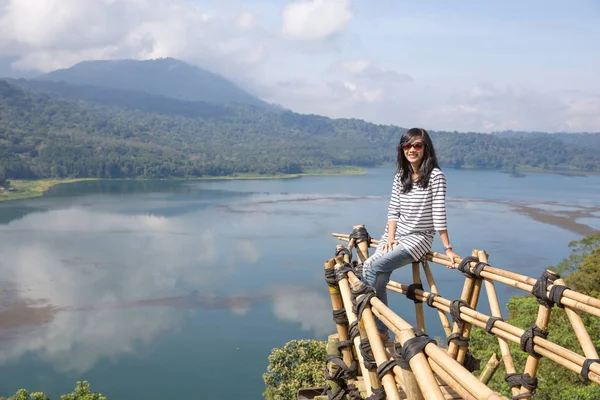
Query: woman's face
pixel 414 150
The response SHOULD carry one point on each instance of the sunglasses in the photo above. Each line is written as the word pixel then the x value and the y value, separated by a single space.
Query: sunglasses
pixel 417 146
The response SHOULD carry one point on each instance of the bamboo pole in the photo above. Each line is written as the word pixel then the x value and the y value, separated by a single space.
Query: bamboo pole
pixel 490 289
pixel 332 350
pixel 418 363
pixel 418 306
pixel 546 348
pixel 454 384
pixel 466 331
pixel 342 329
pixel 388 380
pixel 447 363
pixel 433 289
pixel 533 360
pixel 362 248
pixel 369 376
pixel 490 368
pixel 580 331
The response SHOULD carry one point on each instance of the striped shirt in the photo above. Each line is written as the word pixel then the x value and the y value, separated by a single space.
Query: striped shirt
pixel 420 213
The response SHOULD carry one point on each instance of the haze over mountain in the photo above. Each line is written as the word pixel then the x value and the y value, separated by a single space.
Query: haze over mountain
pixel 166 77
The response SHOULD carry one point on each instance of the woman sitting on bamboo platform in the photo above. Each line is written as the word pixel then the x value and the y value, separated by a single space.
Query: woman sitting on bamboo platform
pixel 417 209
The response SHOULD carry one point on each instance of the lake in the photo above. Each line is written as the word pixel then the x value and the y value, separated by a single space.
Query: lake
pixel 173 289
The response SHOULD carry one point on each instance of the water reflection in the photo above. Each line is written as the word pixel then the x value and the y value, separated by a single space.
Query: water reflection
pixel 81 285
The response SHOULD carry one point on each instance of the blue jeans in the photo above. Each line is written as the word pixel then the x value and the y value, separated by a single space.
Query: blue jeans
pixel 377 270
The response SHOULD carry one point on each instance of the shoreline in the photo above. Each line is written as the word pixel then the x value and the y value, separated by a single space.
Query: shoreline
pixel 27 189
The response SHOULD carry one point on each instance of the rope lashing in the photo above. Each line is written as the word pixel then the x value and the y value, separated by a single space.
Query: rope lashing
pixel 585 368
pixel 470 362
pixel 361 297
pixel 342 251
pixel 384 367
pixel 455 311
pixel 377 394
pixel 330 277
pixel 527 381
pixel 458 339
pixel 360 235
pixel 341 272
pixel 556 294
pixel 540 289
pixel 430 299
pixel 353 330
pixel 411 347
pixel 490 324
pixel 344 343
pixel 340 317
pixel 353 392
pixel 465 266
pixel 410 293
pixel 343 373
pixel 365 350
pixel 358 267
pixel 527 339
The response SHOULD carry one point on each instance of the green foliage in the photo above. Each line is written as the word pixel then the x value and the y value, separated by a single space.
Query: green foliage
pixel 553 379
pixel 300 363
pixel 78 132
pixel 82 392
pixel 581 249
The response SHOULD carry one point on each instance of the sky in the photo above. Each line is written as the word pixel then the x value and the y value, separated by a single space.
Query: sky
pixel 455 65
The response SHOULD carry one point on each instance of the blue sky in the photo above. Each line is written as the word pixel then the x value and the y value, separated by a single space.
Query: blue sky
pixel 445 65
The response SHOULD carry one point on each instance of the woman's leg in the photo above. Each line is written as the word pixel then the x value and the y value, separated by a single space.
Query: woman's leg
pixel 377 270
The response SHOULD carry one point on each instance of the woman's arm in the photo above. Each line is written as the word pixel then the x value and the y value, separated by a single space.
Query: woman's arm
pixel 393 214
pixel 439 215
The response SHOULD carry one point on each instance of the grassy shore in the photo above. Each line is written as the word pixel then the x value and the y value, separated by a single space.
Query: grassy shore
pixel 36 188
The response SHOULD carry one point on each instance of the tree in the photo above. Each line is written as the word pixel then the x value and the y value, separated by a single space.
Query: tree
pixel 300 363
pixel 82 392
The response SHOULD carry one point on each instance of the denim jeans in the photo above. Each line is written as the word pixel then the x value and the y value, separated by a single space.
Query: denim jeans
pixel 377 270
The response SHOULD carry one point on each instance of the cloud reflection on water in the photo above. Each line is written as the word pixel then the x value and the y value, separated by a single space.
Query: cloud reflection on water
pixel 79 293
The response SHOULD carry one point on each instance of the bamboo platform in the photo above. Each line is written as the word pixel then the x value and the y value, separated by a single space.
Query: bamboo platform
pixel 360 365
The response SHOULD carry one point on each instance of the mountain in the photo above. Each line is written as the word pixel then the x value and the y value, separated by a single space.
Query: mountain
pixel 56 129
pixel 165 77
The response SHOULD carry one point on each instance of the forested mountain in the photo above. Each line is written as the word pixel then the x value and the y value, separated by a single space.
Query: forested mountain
pixel 50 129
pixel 166 77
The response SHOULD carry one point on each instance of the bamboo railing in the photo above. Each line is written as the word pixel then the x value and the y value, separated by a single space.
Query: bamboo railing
pixel 361 364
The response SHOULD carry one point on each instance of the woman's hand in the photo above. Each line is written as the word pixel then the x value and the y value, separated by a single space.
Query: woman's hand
pixel 452 255
pixel 388 246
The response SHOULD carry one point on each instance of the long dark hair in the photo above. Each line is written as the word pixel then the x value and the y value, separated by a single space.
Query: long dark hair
pixel 428 162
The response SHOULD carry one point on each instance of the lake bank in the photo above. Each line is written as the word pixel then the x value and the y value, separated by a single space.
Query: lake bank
pixel 26 189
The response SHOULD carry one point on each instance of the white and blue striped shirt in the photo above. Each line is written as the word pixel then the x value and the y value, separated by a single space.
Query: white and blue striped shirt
pixel 420 213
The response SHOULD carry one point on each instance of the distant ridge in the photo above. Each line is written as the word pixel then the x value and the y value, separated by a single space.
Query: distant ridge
pixel 165 77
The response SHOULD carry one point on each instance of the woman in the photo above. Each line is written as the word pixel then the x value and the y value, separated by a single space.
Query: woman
pixel 417 209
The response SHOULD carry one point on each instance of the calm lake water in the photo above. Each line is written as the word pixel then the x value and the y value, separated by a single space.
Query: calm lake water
pixel 159 290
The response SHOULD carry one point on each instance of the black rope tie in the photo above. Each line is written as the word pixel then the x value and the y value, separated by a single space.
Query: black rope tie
pixel 490 324
pixel 358 268
pixel 411 347
pixel 527 381
pixel 465 266
pixel 470 362
pixel 540 289
pixel 353 392
pixel 342 251
pixel 410 293
pixel 479 268
pixel 353 330
pixel 556 294
pixel 342 271
pixel 343 373
pixel 340 317
pixel 430 299
pixel 360 235
pixel 458 339
pixel 365 350
pixel 384 367
pixel 585 369
pixel 455 311
pixel 378 394
pixel 330 277
pixel 361 298
pixel 527 338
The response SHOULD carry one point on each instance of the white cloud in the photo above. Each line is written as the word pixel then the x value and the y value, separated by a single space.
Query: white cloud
pixel 488 108
pixel 315 19
pixel 246 20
